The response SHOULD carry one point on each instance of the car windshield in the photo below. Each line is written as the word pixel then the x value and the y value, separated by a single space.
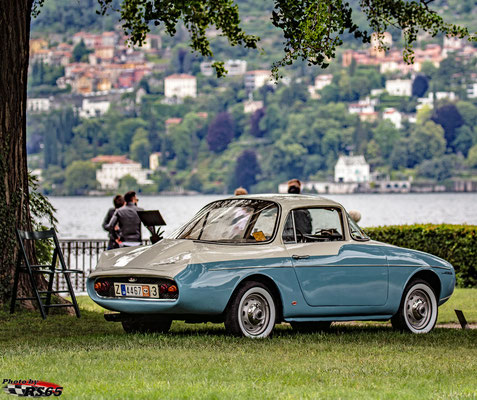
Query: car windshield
pixel 233 221
pixel 355 231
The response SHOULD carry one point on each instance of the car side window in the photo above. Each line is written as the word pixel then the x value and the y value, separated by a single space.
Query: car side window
pixel 323 224
pixel 288 235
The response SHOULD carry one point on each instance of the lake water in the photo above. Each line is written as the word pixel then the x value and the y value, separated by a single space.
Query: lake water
pixel 81 217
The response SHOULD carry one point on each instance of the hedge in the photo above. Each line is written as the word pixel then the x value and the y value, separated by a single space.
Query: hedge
pixel 454 243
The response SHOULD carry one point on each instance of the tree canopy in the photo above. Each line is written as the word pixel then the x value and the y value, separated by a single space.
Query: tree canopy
pixel 312 29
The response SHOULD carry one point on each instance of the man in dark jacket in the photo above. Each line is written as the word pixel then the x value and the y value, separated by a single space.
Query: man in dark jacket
pixel 128 221
pixel 118 202
pixel 302 216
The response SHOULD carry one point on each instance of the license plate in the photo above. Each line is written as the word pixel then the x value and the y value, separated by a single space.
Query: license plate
pixel 136 290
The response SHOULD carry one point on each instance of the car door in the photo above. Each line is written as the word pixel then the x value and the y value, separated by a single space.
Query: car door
pixel 332 269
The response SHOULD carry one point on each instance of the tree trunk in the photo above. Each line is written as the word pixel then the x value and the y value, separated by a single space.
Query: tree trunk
pixel 15 18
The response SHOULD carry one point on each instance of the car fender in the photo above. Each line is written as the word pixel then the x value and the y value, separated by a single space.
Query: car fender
pixel 197 280
pixel 284 286
pixel 429 274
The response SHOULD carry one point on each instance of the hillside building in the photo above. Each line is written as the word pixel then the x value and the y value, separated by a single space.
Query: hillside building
pixel 114 168
pixel 250 106
pixel 472 91
pixel 154 161
pixel 399 87
pixel 379 43
pixel 39 104
pixel 93 108
pixel 180 86
pixel 393 115
pixel 352 169
pixel 233 67
pixel 256 79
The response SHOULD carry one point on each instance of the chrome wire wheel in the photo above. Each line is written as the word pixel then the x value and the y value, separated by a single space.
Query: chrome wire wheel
pixel 418 310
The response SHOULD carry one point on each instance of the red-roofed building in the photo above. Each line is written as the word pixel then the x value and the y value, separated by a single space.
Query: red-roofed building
pixel 368 116
pixel 90 40
pixel 172 122
pixel 108 159
pixel 114 168
pixel 126 79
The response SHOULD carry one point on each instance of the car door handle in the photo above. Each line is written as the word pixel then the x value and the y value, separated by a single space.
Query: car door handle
pixel 296 257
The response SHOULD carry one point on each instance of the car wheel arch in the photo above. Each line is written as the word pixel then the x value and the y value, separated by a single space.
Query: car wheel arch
pixel 270 284
pixel 430 277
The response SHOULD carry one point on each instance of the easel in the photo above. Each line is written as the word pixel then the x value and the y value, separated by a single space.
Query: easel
pixel 151 219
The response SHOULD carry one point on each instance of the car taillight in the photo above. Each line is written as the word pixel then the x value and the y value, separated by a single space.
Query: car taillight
pixel 163 288
pixel 167 288
pixel 172 289
pixel 102 288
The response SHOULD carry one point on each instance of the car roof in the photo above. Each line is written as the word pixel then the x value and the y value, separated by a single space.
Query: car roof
pixel 289 201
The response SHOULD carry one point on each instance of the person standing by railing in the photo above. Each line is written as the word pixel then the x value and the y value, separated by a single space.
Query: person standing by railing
pixel 128 220
pixel 118 202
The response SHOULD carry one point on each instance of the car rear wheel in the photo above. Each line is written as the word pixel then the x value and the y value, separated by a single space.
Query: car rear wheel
pixel 252 311
pixel 146 325
pixel 418 310
pixel 310 327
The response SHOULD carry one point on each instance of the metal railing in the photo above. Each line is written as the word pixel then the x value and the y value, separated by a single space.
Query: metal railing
pixel 82 254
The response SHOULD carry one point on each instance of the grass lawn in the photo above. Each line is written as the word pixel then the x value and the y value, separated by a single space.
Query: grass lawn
pixel 92 358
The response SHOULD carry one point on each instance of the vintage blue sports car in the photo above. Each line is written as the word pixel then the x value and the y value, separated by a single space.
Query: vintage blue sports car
pixel 254 261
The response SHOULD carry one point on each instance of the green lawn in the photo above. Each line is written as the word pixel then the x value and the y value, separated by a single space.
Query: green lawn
pixel 462 299
pixel 92 358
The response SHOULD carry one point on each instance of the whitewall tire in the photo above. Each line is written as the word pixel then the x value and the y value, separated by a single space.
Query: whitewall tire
pixel 418 310
pixel 252 312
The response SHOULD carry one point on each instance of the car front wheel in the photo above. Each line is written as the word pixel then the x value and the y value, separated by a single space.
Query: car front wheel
pixel 252 311
pixel 418 310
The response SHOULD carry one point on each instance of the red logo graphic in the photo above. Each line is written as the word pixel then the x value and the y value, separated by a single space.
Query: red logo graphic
pixel 31 388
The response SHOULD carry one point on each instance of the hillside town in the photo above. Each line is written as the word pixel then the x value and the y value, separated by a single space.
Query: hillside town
pixel 97 72
pixel 111 66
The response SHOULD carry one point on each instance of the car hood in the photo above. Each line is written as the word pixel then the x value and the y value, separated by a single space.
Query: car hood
pixel 166 258
pixel 400 255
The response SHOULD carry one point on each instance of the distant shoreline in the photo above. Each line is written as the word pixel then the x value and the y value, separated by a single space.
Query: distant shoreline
pixel 179 194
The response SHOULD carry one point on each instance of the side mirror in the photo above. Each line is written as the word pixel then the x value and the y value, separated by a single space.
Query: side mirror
pixel 355 215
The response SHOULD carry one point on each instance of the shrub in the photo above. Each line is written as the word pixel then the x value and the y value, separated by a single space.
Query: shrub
pixel 454 243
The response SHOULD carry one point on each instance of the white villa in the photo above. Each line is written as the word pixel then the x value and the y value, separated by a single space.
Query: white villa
pixel 90 108
pixel 256 79
pixel 114 168
pixel 39 104
pixel 472 91
pixel 399 87
pixel 154 161
pixel 352 169
pixel 233 67
pixel 250 106
pixel 180 86
pixel 393 115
